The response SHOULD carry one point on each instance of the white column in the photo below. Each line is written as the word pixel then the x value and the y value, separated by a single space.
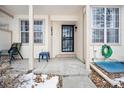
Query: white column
pixel 31 38
pixel 88 37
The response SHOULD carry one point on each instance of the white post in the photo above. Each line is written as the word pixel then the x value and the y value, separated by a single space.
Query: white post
pixel 31 38
pixel 87 37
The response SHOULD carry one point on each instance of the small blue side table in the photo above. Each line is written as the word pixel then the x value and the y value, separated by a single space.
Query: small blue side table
pixel 44 54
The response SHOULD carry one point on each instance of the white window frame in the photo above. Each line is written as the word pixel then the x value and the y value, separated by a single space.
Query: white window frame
pixel 22 31
pixel 42 29
pixel 28 31
pixel 105 35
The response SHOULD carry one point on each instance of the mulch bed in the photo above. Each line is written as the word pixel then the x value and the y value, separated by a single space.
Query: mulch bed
pixel 100 82
pixel 4 58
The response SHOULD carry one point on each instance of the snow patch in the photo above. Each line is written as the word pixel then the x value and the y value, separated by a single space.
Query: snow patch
pixel 121 79
pixel 29 81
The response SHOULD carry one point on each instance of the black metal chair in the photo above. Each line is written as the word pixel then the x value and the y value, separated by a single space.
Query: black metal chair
pixel 14 50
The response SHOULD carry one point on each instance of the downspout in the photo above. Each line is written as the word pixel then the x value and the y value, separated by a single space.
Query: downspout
pixel 51 29
pixel 83 14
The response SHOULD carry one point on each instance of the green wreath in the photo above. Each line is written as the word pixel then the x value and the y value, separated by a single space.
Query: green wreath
pixel 106 51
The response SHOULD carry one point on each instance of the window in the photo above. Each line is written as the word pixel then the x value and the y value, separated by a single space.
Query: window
pixel 38 31
pixel 105 25
pixel 24 31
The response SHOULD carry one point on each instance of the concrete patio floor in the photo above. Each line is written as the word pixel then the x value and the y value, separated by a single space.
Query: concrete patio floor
pixel 73 72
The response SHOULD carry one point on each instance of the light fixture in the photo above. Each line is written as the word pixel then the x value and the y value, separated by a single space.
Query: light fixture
pixel 75 27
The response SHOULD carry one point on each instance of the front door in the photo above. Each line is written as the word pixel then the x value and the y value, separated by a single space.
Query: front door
pixel 67 38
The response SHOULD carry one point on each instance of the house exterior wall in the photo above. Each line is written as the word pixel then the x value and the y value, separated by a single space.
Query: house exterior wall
pixel 80 37
pixel 84 33
pixel 50 20
pixel 6 38
pixel 57 37
pixel 5 33
pixel 17 35
pixel 118 50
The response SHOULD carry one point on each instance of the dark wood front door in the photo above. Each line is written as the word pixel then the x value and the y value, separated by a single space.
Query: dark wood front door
pixel 67 38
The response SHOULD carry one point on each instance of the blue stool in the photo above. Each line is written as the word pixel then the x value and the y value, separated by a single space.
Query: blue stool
pixel 44 54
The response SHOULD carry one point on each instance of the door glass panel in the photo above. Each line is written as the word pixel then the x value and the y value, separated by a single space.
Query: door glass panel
pixel 67 38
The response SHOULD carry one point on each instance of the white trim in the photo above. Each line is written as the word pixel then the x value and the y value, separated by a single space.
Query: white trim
pixel 31 38
pixel 6 12
pixel 106 6
pixel 6 30
pixel 88 30
pixel 105 31
pixel 119 26
pixel 64 18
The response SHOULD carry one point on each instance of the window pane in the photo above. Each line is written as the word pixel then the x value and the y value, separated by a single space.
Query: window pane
pixel 38 37
pixel 24 37
pixel 98 17
pixel 117 20
pixel 67 31
pixel 112 17
pixel 98 36
pixel 112 23
pixel 24 31
pixel 38 25
pixel 112 36
pixel 24 25
pixel 98 11
pixel 98 25
pixel 38 31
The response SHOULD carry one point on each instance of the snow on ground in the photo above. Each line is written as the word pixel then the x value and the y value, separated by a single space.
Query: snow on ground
pixel 29 81
pixel 121 79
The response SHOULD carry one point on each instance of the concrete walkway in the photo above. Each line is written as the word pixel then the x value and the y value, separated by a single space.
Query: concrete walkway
pixel 77 82
pixel 73 72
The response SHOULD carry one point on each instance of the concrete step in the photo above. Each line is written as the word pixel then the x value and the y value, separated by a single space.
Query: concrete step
pixel 66 56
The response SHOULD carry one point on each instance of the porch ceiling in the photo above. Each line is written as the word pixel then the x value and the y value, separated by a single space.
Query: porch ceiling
pixel 57 9
pixel 43 9
pixel 16 9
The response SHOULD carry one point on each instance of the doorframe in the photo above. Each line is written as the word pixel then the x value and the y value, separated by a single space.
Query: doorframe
pixel 72 38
